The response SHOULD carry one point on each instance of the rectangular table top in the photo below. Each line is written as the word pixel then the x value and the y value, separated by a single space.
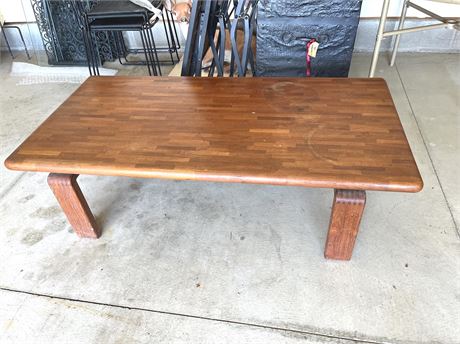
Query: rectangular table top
pixel 313 132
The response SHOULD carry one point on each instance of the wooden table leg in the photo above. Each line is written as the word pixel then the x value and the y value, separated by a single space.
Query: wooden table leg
pixel 347 210
pixel 74 205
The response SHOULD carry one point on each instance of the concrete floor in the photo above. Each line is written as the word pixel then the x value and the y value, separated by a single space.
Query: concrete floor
pixel 226 263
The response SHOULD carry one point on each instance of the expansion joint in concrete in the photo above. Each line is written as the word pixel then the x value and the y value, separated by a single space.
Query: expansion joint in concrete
pixel 326 337
pixel 428 153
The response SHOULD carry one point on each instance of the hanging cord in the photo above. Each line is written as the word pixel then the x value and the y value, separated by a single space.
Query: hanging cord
pixel 309 43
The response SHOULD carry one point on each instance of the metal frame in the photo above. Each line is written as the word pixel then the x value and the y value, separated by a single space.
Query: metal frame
pixel 10 26
pixel 246 14
pixel 148 43
pixel 92 25
pixel 209 22
pixel 67 44
pixel 172 39
pixel 381 33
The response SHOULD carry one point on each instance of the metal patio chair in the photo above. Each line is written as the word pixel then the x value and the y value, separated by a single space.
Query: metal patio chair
pixel 381 34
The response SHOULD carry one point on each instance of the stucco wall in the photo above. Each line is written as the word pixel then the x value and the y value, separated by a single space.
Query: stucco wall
pixel 21 10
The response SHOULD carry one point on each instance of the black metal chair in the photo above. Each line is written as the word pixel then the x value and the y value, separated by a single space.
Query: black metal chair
pixel 116 17
pixel 11 26
pixel 171 35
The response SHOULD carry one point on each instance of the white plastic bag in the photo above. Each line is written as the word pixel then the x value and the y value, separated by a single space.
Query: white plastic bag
pixel 147 5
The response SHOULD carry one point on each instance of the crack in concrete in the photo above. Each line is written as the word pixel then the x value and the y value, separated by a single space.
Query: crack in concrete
pixel 227 321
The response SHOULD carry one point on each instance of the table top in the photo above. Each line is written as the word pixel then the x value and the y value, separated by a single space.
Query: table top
pixel 313 132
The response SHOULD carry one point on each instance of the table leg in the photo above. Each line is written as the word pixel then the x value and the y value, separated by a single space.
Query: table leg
pixel 74 205
pixel 347 210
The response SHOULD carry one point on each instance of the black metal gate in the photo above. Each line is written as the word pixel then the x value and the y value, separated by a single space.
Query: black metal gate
pixel 60 26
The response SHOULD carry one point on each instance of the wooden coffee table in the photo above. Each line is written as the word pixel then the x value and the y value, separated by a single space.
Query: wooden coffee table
pixel 342 134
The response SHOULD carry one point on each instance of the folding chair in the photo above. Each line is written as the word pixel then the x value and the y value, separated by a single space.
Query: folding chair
pixel 381 34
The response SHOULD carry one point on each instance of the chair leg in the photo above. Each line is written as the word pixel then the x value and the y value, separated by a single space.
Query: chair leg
pixel 174 37
pixel 22 39
pixel 93 49
pixel 7 43
pixel 86 33
pixel 170 49
pixel 86 43
pixel 378 42
pixel 154 51
pixel 114 37
pixel 147 53
pixel 94 52
pixel 151 49
pixel 123 47
pixel 398 37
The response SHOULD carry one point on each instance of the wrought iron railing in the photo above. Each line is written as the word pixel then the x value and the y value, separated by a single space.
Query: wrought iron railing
pixel 60 26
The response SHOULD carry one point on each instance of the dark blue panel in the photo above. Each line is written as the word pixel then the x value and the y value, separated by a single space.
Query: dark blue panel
pixel 285 25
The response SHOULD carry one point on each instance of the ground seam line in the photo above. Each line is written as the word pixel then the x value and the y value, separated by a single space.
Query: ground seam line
pixel 428 153
pixel 233 322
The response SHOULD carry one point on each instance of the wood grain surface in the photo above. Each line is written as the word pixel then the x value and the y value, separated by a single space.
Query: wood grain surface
pixel 347 211
pixel 331 133
pixel 74 205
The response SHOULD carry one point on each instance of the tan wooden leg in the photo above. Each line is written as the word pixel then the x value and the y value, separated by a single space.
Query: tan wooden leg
pixel 74 205
pixel 347 210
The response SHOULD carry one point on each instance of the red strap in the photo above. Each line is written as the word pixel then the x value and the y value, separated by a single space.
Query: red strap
pixel 310 42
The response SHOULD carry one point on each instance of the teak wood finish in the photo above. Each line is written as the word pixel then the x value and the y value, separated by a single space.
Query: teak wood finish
pixel 347 210
pixel 73 203
pixel 343 134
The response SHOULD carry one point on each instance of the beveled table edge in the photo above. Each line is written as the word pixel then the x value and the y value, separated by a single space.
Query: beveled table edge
pixel 308 182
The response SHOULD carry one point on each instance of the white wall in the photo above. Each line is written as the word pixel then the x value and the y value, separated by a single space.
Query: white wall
pixel 17 10
pixel 373 8
pixel 21 10
pixel 440 40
